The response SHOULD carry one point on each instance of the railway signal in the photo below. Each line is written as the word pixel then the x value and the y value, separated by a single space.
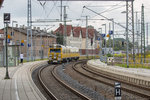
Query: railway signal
pixel 6 22
pixel 117 91
pixel 122 43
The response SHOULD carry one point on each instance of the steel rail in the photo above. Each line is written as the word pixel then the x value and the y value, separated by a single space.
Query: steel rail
pixel 45 87
pixel 139 93
pixel 69 87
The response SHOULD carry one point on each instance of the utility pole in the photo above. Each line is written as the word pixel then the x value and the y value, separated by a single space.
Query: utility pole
pixel 113 27
pixel 127 41
pixel 147 35
pixel 105 37
pixel 60 10
pixel 109 37
pixel 129 22
pixel 133 32
pixel 142 34
pixel 65 32
pixel 105 40
pixel 137 32
pixel 87 37
pixel 138 38
pixel 100 43
pixel 29 29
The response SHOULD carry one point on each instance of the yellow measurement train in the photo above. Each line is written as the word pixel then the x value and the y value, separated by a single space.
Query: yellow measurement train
pixel 58 53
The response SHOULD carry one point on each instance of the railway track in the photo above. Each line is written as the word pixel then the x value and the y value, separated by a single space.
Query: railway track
pixel 59 85
pixel 47 90
pixel 53 87
pixel 108 79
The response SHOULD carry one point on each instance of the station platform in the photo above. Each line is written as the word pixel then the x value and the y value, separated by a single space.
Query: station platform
pixel 135 75
pixel 20 86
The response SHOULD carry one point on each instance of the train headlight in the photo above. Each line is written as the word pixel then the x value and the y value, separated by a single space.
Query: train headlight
pixel 59 58
pixel 50 58
pixel 50 55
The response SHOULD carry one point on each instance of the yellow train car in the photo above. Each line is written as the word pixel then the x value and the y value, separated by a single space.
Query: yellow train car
pixel 59 53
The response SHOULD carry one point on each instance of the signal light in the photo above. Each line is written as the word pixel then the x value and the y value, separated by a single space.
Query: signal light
pixel 122 43
pixel 22 41
pixel 9 36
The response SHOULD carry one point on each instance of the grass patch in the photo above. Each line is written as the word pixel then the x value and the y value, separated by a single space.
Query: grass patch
pixel 145 66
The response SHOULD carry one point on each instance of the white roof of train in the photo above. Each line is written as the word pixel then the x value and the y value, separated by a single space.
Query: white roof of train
pixel 72 49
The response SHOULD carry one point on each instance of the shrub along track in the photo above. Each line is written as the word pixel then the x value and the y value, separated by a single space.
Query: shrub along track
pixel 130 91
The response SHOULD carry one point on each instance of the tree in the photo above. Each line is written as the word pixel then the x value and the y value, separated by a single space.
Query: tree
pixel 119 44
pixel 148 47
pixel 59 38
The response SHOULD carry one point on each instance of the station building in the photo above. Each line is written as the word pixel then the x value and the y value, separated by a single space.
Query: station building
pixel 17 39
pixel 76 37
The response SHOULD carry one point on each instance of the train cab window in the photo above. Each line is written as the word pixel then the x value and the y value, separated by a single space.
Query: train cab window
pixel 55 50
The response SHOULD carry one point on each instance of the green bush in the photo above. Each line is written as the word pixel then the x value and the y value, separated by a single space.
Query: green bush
pixel 145 66
pixel 109 55
pixel 119 55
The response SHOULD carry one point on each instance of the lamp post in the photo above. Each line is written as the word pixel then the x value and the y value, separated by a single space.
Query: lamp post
pixel 100 46
pixel 6 43
pixel 131 30
pixel 113 24
pixel 113 27
pixel 100 30
pixel 105 37
pixel 6 21
pixel 12 31
pixel 127 39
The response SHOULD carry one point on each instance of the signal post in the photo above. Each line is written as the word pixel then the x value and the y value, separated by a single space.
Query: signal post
pixel 6 22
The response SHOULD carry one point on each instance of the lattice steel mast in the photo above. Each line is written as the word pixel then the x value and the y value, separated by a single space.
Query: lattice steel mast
pixel 142 35
pixel 29 29
pixel 129 28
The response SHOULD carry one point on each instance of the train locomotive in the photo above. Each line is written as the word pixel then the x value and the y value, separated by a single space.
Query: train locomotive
pixel 58 53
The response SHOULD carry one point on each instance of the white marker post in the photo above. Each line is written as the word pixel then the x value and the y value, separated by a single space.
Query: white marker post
pixel 117 91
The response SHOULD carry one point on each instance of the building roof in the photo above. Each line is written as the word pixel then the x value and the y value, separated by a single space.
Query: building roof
pixel 60 29
pixel 91 32
pixel 76 31
pixel 34 32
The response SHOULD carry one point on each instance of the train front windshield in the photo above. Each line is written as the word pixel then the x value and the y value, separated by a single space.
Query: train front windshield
pixel 55 50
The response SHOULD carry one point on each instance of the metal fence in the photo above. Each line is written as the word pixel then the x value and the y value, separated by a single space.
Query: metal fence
pixel 103 58
pixel 1 56
pixel 122 60
pixel 13 55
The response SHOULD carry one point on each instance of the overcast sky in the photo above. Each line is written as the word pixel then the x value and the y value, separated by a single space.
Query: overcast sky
pixel 51 10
